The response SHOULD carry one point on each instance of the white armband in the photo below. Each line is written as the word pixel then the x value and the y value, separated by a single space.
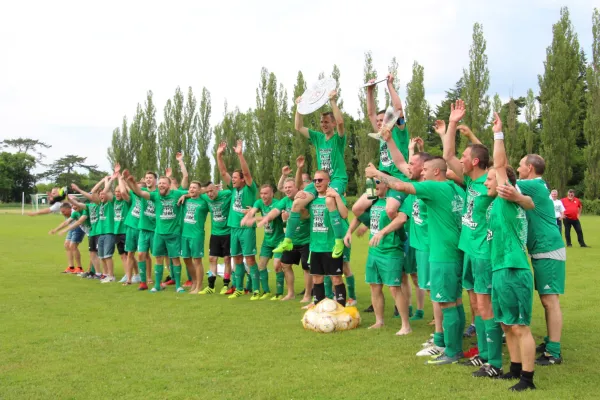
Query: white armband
pixel 499 136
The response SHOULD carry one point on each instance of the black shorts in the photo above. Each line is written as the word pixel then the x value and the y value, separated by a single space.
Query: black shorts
pixel 120 243
pixel 219 246
pixel 93 244
pixel 324 264
pixel 297 254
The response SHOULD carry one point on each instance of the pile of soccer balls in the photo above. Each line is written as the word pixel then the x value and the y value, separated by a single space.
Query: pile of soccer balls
pixel 329 316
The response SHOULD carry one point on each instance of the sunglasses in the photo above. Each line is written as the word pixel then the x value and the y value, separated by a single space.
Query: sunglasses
pixel 377 181
pixel 318 180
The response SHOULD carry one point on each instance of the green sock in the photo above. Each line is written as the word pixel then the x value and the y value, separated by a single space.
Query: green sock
pixel 158 274
pixel 240 271
pixel 264 280
pixel 493 332
pixel 176 269
pixel 418 315
pixel 438 339
pixel 255 278
pixel 171 268
pixel 248 282
pixel 279 279
pixel 410 314
pixel 336 224
pixel 451 327
pixel 328 287
pixel 292 223
pixel 553 348
pixel 142 268
pixel 546 339
pixel 482 343
pixel 350 287
pixel 92 269
pixel 462 320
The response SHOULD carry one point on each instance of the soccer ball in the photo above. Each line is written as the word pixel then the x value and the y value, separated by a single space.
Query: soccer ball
pixel 343 321
pixel 326 305
pixel 310 320
pixel 326 324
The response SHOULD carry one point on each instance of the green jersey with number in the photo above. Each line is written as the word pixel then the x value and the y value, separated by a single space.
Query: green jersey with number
pixel 401 138
pixel 302 235
pixel 168 219
pixel 195 212
pixel 241 200
pixel 474 222
pixel 121 208
pixel 392 244
pixel 148 215
pixel 330 154
pixel 507 235
pixel 418 233
pixel 219 211
pixel 444 202
pixel 273 229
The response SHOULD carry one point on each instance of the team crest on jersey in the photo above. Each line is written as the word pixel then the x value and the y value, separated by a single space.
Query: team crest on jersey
pixel 375 216
pixel 384 155
pixel 168 211
pixel 93 215
pixel 416 213
pixel 150 211
pixel 217 211
pixel 237 203
pixel 136 209
pixel 318 211
pixel 101 213
pixel 190 213
pixel 118 212
pixel 325 157
pixel 467 218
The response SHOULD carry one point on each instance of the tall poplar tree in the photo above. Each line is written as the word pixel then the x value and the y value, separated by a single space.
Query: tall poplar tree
pixel 592 122
pixel 203 137
pixel 530 121
pixel 147 153
pixel 416 105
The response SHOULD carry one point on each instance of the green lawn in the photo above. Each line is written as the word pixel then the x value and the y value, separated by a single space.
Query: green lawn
pixel 62 337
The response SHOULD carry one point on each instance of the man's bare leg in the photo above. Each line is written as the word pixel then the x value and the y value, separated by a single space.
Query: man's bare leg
pixel 289 281
pixel 378 302
pixel 197 275
pixel 402 306
pixel 308 287
pixel 189 265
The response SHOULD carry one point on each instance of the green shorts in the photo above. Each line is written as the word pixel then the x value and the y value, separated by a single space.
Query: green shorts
pixel 512 296
pixel 267 251
pixel 337 184
pixel 146 241
pixel 166 246
pixel 192 247
pixel 384 270
pixel 468 281
pixel 549 275
pixel 482 274
pixel 243 242
pixel 423 273
pixel 346 254
pixel 410 261
pixel 132 236
pixel 446 280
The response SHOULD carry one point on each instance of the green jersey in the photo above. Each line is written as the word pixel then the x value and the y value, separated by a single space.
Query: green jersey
pixel 330 154
pixel 75 215
pixel 168 219
pixel 444 202
pixel 219 212
pixel 543 236
pixel 418 233
pixel 507 235
pixel 121 208
pixel 273 229
pixel 391 245
pixel 135 207
pixel 322 237
pixel 401 138
pixel 106 219
pixel 302 235
pixel 91 210
pixel 242 199
pixel 195 212
pixel 148 215
pixel 474 222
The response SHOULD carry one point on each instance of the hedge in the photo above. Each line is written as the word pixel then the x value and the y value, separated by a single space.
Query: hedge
pixel 591 207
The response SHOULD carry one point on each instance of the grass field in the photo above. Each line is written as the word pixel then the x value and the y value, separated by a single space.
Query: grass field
pixel 67 338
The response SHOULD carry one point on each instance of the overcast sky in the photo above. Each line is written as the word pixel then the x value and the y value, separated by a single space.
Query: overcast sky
pixel 70 70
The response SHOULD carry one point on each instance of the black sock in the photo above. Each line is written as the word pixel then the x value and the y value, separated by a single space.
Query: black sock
pixel 211 281
pixel 319 292
pixel 516 368
pixel 526 382
pixel 340 296
pixel 226 282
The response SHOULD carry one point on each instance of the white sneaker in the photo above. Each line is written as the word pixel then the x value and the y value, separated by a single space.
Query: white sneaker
pixel 123 279
pixel 108 279
pixel 428 343
pixel 350 303
pixel 136 279
pixel 430 351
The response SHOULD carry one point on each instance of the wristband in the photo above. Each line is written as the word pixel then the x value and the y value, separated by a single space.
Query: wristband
pixel 499 136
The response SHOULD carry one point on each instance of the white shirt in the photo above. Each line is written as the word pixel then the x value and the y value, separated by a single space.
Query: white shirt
pixel 559 208
pixel 55 208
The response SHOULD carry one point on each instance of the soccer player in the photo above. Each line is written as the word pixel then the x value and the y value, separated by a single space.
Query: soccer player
pixel 471 171
pixel 218 202
pixel 322 237
pixel 132 233
pixel 273 236
pixel 512 283
pixel 559 209
pixel 401 139
pixel 385 258
pixel 444 200
pixel 243 238
pixel 121 209
pixel 330 147
pixel 300 253
pixel 167 237
pixel 195 211
pixel 146 228
pixel 546 249
pixel 74 237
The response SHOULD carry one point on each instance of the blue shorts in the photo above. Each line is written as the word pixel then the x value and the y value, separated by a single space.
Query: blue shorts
pixel 106 246
pixel 75 235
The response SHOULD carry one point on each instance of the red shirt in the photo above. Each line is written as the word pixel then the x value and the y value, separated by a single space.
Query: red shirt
pixel 571 207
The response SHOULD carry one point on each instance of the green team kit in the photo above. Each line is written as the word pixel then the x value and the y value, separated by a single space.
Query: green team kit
pixel 273 230
pixel 147 224
pixel 195 212
pixel 330 158
pixel 243 239
pixel 416 210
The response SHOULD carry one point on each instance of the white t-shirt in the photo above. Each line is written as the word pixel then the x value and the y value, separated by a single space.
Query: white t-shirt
pixel 559 208
pixel 55 208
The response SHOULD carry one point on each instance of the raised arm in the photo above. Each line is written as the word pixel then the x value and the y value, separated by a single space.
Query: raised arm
pixel 185 183
pixel 500 161
pixel 285 172
pixel 243 164
pixel 393 183
pixel 299 121
pixel 396 102
pixel 73 201
pixel 299 171
pixel 457 112
pixel 40 212
pixel 107 186
pixel 91 197
pixel 468 133
pixel 397 156
pixel 337 114
pixel 371 107
pixel 124 189
pixel 134 187
pixel 221 164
